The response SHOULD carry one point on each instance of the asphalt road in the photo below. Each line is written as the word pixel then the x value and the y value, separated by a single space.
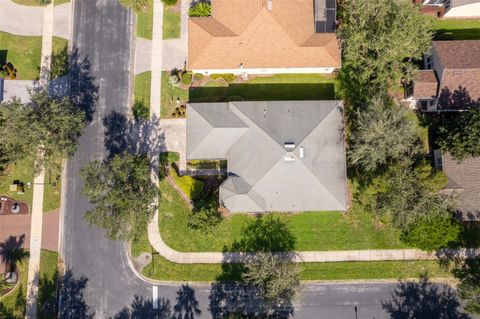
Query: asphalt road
pixel 101 284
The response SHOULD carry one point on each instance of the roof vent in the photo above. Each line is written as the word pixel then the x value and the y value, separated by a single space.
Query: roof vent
pixel 270 5
pixel 302 152
pixel 289 158
pixel 289 146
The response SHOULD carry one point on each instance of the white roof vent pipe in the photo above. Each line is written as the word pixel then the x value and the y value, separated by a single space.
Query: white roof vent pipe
pixel 270 5
pixel 302 152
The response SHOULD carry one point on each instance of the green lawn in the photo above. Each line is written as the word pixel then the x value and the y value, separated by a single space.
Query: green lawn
pixel 145 22
pixel 52 189
pixel 171 24
pixel 162 269
pixel 24 53
pixel 453 29
pixel 47 283
pixel 268 88
pixel 313 230
pixel 169 96
pixel 37 3
pixel 13 305
pixel 142 92
pixel 23 172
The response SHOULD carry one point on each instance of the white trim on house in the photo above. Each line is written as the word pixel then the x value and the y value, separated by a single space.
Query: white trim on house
pixel 241 71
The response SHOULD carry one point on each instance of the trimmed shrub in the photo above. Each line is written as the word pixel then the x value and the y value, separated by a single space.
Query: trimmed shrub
pixel 228 77
pixel 197 76
pixel 169 2
pixel 205 218
pixel 173 79
pixel 186 78
pixel 200 9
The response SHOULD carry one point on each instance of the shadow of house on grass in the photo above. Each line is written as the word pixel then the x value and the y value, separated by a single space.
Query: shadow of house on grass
pixel 457 34
pixel 230 296
pixel 423 300
pixel 263 92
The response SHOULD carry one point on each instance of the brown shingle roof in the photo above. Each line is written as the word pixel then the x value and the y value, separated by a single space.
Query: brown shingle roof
pixel 464 178
pixel 245 31
pixel 458 54
pixel 425 85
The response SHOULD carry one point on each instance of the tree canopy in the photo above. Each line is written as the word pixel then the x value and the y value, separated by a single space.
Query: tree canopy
pixel 382 135
pixel 49 126
pixel 380 40
pixel 122 193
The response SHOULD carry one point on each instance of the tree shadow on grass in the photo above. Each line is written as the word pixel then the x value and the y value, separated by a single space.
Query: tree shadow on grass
pixel 423 300
pixel 12 252
pixel 47 295
pixel 229 295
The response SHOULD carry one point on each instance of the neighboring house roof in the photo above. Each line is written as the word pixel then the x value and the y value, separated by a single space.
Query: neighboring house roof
pixel 264 174
pixel 425 85
pixel 459 69
pixel 463 178
pixel 246 32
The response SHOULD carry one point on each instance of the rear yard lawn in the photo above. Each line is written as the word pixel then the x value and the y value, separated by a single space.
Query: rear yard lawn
pixel 171 23
pixel 313 230
pixel 269 88
pixel 456 29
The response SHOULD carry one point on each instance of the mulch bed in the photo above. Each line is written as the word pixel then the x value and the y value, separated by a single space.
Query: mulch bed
pixel 7 203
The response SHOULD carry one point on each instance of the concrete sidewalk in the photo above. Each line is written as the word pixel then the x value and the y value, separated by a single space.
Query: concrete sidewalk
pixel 28 20
pixel 156 62
pixel 302 256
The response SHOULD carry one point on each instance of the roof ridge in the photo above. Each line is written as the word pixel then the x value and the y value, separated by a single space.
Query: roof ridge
pixel 320 121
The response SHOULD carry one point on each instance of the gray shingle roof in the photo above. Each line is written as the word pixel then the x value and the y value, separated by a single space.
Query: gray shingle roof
pixel 265 176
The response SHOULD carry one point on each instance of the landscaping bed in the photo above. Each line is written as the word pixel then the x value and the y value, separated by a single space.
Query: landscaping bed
pixel 171 96
pixel 13 305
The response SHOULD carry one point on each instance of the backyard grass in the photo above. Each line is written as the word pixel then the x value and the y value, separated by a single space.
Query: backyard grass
pixel 190 186
pixel 171 24
pixel 24 53
pixel 145 22
pixel 142 92
pixel 269 88
pixel 13 305
pixel 21 171
pixel 457 29
pixel 313 230
pixel 422 131
pixel 47 282
pixel 169 96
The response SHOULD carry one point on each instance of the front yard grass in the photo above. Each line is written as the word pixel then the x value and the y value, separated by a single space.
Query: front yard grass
pixel 142 93
pixel 169 96
pixel 145 22
pixel 21 171
pixel 52 191
pixel 47 281
pixel 37 2
pixel 269 88
pixel 162 269
pixel 457 29
pixel 171 24
pixel 24 53
pixel 313 230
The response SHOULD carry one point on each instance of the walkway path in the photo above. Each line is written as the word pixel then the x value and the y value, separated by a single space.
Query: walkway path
pixel 303 256
pixel 27 20
pixel 156 64
pixel 38 182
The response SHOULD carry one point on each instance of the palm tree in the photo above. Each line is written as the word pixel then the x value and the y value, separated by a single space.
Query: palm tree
pixel 12 252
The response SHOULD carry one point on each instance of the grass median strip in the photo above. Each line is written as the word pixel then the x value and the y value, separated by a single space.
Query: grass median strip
pixel 145 22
